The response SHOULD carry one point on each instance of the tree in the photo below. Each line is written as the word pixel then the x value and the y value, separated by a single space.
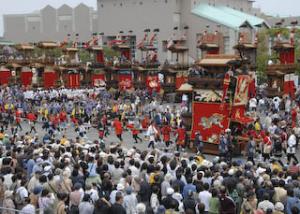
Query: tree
pixel 262 55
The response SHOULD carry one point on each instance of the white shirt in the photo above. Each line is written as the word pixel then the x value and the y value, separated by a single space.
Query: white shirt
pixel 204 197
pixel 291 144
pixel 28 209
pixel 93 193
pixel 23 193
pixel 152 132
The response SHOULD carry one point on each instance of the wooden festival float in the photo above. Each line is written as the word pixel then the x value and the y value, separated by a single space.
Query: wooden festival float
pixel 20 65
pixel 94 72
pixel 219 100
pixel 175 71
pixel 281 73
pixel 43 67
pixel 146 71
pixel 118 71
pixel 70 68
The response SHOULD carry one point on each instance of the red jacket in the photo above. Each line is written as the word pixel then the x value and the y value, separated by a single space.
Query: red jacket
pixel 118 127
pixel 166 131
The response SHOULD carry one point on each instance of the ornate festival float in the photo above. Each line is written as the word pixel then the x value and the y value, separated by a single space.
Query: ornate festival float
pixel 44 74
pixel 281 71
pixel 219 99
pixel 146 71
pixel 94 72
pixel 175 71
pixel 69 66
pixel 118 70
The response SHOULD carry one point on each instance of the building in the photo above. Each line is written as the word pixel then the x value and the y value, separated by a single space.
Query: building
pixel 51 24
pixel 226 16
pixel 191 18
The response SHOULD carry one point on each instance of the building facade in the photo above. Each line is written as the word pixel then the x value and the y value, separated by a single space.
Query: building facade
pixel 190 17
pixel 197 15
pixel 51 24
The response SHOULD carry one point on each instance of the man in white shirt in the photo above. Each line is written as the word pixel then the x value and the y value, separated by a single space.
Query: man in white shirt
pixel 205 196
pixel 152 133
pixel 291 150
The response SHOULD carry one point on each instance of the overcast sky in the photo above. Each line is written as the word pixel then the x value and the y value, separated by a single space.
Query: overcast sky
pixel 272 7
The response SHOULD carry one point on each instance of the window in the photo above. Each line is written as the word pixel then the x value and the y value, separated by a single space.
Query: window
pixel 226 44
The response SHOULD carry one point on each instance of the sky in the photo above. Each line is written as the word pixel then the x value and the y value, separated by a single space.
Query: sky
pixel 271 7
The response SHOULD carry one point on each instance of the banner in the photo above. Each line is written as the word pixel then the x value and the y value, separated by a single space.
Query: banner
pixel 50 79
pixel 152 83
pixel 289 86
pixel 26 78
pixel 125 81
pixel 4 76
pixel 98 79
pixel 241 90
pixel 210 119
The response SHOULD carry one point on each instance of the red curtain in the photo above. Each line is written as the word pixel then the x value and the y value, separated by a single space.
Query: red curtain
pixel 74 80
pixel 153 83
pixel 26 78
pixel 50 79
pixel 96 78
pixel 125 81
pixel 4 77
pixel 100 57
pixel 287 56
pixel 209 119
pixel 180 80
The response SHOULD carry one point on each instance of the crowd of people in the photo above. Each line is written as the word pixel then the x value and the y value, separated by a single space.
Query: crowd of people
pixel 44 169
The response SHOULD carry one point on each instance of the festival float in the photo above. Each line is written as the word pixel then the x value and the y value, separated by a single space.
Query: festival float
pixel 219 99
pixel 45 74
pixel 281 73
pixel 118 70
pixel 70 67
pixel 146 71
pixel 21 64
pixel 175 71
pixel 95 74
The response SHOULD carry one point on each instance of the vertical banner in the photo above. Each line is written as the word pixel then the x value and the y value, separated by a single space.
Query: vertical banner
pixel 74 80
pixel 241 90
pixel 210 119
pixel 289 86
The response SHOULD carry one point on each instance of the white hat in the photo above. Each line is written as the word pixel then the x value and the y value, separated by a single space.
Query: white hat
pixel 120 187
pixel 141 208
pixel 170 191
pixel 231 171
pixel 279 206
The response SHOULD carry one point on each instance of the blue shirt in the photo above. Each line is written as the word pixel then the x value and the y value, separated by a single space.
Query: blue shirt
pixel 187 188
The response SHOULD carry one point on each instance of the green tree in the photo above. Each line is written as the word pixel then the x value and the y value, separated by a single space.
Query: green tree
pixel 110 53
pixel 262 55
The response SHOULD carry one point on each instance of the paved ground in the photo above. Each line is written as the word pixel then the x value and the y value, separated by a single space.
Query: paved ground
pixel 128 141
